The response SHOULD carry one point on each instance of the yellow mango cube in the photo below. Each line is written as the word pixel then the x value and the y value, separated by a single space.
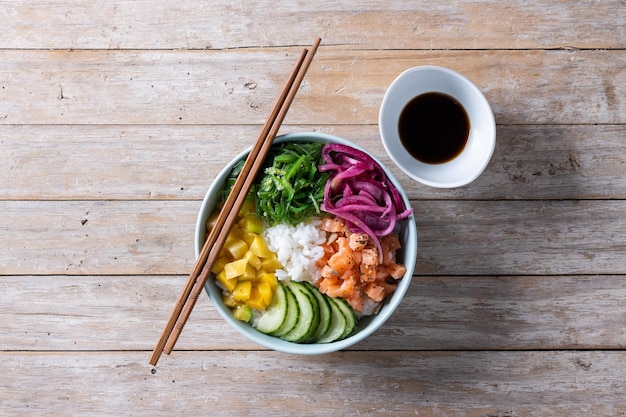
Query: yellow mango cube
pixel 242 290
pixel 235 269
pixel 247 236
pixel 252 259
pixel 229 300
pixel 218 265
pixel 236 247
pixel 252 224
pixel 255 300
pixel 271 264
pixel 259 247
pixel 248 207
pixel 240 269
pixel 265 292
pixel 249 274
pixel 268 278
pixel 229 284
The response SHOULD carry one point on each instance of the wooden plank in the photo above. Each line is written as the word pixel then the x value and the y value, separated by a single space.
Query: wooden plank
pixel 390 24
pixel 105 313
pixel 455 237
pixel 90 313
pixel 352 383
pixel 180 162
pixel 342 87
pixel 521 237
pixel 102 237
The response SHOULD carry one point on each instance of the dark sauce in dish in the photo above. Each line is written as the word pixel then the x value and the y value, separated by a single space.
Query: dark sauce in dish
pixel 434 128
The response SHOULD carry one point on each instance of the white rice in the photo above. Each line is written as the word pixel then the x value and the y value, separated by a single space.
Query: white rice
pixel 297 248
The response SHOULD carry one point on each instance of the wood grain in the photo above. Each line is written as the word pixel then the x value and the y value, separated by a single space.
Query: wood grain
pixel 180 162
pixel 116 117
pixel 272 384
pixel 438 314
pixel 455 238
pixel 343 86
pixel 222 24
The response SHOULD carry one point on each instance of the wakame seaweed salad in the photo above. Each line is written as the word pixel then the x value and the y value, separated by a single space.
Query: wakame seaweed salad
pixel 289 189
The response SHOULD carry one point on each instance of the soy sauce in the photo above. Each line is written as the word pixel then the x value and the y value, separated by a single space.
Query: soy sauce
pixel 434 128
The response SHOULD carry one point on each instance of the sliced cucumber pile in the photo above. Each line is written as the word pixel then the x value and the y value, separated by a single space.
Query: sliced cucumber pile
pixel 300 313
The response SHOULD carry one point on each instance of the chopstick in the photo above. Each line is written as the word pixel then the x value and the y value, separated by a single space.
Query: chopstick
pixel 228 214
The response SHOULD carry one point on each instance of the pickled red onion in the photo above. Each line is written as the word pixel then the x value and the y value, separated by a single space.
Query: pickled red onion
pixel 359 192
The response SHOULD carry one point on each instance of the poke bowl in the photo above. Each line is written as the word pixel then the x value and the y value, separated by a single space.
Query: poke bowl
pixel 320 274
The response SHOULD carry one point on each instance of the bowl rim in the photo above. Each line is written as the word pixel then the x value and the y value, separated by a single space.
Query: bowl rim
pixel 277 344
pixel 391 142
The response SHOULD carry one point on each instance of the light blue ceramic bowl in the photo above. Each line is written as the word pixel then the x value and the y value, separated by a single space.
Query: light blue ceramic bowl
pixel 366 326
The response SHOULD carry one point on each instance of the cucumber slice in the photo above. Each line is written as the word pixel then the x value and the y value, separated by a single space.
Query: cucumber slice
pixel 348 313
pixel 293 313
pixel 337 324
pixel 276 312
pixel 309 314
pixel 324 312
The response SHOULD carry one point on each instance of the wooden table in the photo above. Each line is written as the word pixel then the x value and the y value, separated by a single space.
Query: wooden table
pixel 116 117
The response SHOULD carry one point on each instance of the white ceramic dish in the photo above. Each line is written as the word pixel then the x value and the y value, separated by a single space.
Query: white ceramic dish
pixel 481 142
pixel 366 326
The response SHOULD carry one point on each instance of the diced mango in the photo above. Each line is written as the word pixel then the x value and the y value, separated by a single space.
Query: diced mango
pixel 248 207
pixel 236 248
pixel 229 300
pixel 252 224
pixel 252 259
pixel 256 300
pixel 242 313
pixel 229 284
pixel 242 290
pixel 259 247
pixel 240 269
pixel 246 236
pixel 232 236
pixel 266 292
pixel 218 265
pixel 268 278
pixel 271 264
pixel 249 274
pixel 245 267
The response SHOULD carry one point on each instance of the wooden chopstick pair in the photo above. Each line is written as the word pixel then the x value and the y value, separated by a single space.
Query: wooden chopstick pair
pixel 228 214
